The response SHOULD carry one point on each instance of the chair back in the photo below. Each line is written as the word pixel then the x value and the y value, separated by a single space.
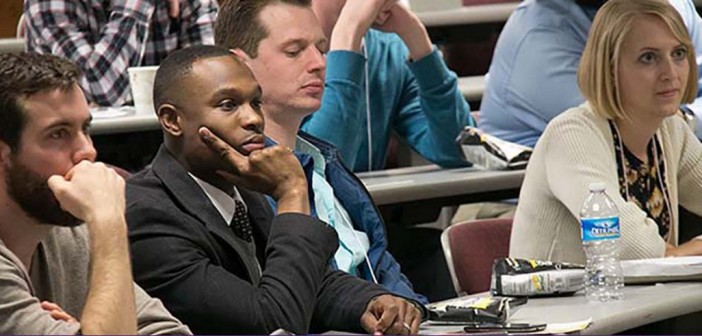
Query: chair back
pixel 471 248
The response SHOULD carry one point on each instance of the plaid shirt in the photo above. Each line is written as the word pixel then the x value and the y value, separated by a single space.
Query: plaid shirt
pixel 105 37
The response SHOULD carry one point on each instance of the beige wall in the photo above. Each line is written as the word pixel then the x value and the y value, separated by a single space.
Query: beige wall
pixel 10 11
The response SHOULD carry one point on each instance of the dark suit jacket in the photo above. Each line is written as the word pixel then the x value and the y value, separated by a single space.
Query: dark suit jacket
pixel 184 253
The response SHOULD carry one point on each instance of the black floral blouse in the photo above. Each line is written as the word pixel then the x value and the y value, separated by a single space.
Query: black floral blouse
pixel 645 189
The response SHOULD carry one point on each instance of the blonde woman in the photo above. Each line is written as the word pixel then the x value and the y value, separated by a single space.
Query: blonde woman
pixel 637 68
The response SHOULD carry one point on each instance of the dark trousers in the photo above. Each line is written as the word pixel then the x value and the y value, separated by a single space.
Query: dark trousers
pixel 419 253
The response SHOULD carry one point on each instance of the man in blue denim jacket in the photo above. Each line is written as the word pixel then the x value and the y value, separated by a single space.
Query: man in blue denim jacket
pixel 284 45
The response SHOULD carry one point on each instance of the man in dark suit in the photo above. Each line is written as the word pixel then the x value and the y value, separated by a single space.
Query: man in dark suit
pixel 205 241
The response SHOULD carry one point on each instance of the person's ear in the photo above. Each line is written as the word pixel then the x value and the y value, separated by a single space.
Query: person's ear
pixel 242 55
pixel 170 119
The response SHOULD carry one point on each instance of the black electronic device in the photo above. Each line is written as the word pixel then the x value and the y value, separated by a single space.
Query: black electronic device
pixel 517 328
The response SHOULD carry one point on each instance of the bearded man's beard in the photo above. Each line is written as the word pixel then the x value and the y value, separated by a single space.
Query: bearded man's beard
pixel 31 192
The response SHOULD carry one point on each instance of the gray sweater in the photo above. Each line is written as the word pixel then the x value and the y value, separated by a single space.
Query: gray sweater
pixel 60 274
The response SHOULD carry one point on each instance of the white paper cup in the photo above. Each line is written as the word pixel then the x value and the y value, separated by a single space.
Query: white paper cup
pixel 141 79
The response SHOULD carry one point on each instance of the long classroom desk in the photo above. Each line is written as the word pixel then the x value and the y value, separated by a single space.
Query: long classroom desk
pixel 11 45
pixel 416 194
pixel 475 14
pixel 127 123
pixel 478 14
pixel 641 306
pixel 408 195
pixel 472 87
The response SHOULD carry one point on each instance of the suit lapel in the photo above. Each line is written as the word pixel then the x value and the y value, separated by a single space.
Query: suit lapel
pixel 193 200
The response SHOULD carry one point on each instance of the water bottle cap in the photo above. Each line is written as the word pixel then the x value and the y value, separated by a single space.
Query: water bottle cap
pixel 597 186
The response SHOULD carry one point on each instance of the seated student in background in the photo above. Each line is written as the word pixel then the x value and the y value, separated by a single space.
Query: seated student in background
pixel 533 72
pixel 340 199
pixel 64 254
pixel 383 80
pixel 203 236
pixel 106 37
pixel 638 66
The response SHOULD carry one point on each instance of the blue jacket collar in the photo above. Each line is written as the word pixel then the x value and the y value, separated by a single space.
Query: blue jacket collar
pixel 328 150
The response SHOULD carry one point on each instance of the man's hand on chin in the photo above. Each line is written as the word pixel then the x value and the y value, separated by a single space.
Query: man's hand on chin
pixel 387 314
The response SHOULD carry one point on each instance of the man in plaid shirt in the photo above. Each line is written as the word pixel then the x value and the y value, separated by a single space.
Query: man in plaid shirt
pixel 105 37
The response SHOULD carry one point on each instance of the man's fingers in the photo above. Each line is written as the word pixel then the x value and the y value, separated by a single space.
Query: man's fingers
pixel 221 147
pixel 406 315
pixel 385 6
pixel 387 319
pixel 57 183
pixel 384 13
pixel 381 18
pixel 61 315
pixel 400 322
pixel 414 321
pixel 46 305
pixel 368 322
pixel 396 329
pixel 56 312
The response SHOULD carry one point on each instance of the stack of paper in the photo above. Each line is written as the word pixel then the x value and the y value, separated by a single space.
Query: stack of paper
pixel 662 269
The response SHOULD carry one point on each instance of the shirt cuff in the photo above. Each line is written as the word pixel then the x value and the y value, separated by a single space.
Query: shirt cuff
pixel 345 65
pixel 430 70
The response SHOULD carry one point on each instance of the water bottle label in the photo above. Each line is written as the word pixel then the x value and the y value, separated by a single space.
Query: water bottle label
pixel 596 229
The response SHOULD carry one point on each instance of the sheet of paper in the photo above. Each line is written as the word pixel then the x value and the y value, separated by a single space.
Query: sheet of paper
pixel 676 266
pixel 565 328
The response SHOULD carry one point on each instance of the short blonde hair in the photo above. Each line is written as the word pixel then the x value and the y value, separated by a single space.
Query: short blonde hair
pixel 598 71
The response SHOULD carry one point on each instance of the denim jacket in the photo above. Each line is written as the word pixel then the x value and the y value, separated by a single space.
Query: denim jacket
pixel 357 201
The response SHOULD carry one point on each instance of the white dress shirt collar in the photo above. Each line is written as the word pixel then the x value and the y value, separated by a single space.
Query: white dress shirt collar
pixel 223 202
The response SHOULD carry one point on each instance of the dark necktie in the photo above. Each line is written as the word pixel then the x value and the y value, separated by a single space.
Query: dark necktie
pixel 240 222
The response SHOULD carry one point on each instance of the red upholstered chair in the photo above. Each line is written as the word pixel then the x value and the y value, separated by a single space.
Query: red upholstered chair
pixel 470 249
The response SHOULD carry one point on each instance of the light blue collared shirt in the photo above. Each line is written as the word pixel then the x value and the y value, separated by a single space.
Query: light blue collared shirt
pixel 533 74
pixel 353 244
